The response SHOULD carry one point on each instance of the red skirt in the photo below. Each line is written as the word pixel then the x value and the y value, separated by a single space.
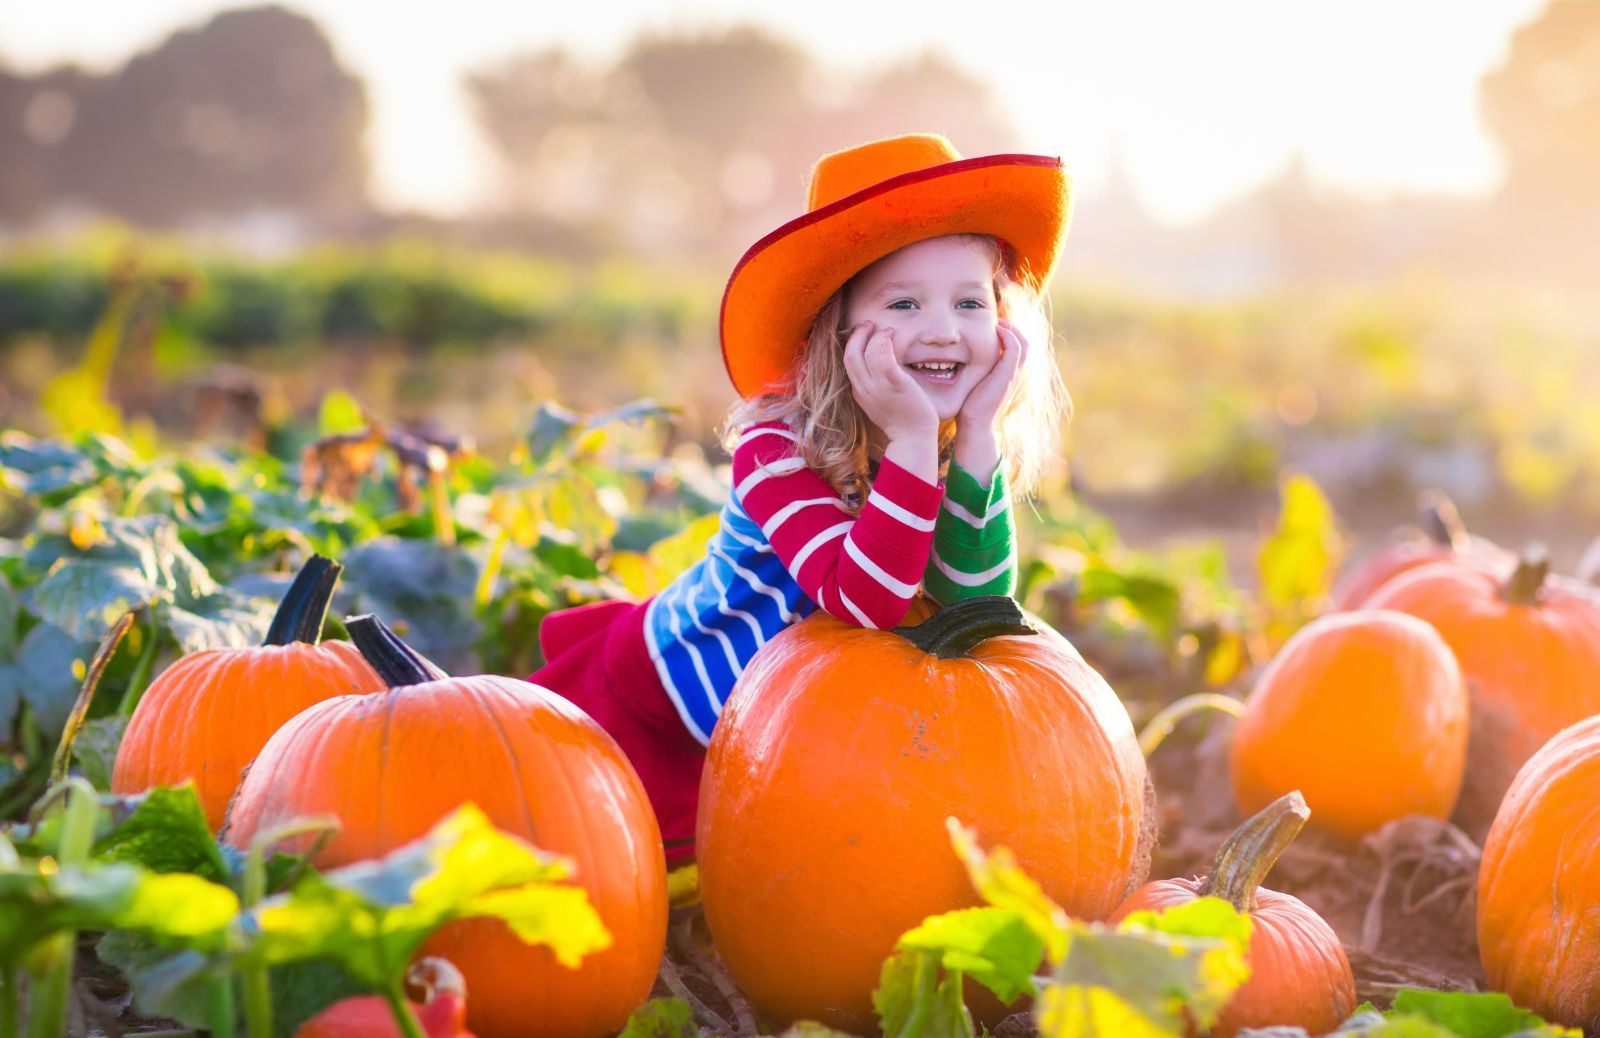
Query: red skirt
pixel 597 658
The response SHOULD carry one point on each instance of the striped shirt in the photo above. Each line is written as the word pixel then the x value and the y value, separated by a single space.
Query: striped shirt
pixel 787 545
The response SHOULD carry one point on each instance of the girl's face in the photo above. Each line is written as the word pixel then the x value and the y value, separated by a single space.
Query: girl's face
pixel 938 298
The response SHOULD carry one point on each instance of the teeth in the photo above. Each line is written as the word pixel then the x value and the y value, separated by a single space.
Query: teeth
pixel 937 367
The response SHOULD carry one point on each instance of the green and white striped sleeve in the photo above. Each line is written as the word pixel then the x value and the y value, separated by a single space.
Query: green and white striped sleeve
pixel 974 542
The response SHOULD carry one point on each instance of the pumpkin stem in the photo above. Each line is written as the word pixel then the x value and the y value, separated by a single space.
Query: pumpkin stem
pixel 1527 580
pixel 1248 855
pixel 962 626
pixel 397 663
pixel 304 608
pixel 1441 522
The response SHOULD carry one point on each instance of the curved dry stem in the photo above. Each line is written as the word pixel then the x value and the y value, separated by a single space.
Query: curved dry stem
pixel 1162 724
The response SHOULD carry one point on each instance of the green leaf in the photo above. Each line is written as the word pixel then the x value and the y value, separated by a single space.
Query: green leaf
pixel 44 468
pixel 1154 975
pixel 913 1002
pixel 301 990
pixel 371 917
pixel 1003 884
pixel 165 982
pixel 552 426
pixel 425 591
pixel 142 563
pixel 1471 1014
pixel 10 613
pixel 339 415
pixel 1299 559
pixel 1202 917
pixel 37 901
pixel 47 673
pixel 10 696
pixel 993 946
pixel 661 1018
pixel 95 748
pixel 164 830
pixel 812 1029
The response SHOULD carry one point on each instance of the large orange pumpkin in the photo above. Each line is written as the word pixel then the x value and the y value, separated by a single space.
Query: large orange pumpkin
pixel 1365 713
pixel 840 754
pixel 1299 974
pixel 1539 883
pixel 1440 537
pixel 1529 647
pixel 205 717
pixel 391 765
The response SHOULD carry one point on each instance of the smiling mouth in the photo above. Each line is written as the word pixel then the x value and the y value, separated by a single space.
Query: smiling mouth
pixel 937 371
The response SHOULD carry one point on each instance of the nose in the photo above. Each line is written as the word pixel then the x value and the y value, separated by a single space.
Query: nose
pixel 939 328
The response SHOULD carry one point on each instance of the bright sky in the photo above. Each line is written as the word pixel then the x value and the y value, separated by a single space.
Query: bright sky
pixel 1201 100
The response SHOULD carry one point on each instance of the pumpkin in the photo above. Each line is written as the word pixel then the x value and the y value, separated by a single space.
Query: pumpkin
pixel 1529 647
pixel 839 755
pixel 1365 713
pixel 1440 537
pixel 1539 883
pixel 442 1015
pixel 391 765
pixel 1299 975
pixel 205 717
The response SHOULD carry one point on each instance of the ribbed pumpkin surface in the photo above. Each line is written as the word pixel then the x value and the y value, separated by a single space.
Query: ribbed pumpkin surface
pixel 1299 974
pixel 1539 883
pixel 391 765
pixel 831 772
pixel 1365 713
pixel 205 717
pixel 1534 667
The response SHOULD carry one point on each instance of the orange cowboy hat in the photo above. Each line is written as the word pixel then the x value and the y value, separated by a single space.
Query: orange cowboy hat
pixel 866 202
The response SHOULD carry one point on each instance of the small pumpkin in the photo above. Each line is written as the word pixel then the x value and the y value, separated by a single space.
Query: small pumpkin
pixel 443 1013
pixel 1539 883
pixel 1529 647
pixel 391 765
pixel 205 717
pixel 1365 713
pixel 837 759
pixel 1299 974
pixel 1439 537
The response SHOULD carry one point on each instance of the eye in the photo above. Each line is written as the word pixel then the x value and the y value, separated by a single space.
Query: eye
pixel 972 304
pixel 903 304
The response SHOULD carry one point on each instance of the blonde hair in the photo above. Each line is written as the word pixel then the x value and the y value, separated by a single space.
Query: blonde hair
pixel 818 405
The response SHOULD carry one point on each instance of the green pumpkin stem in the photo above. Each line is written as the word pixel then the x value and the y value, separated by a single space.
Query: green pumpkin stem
pixel 1241 866
pixel 1527 580
pixel 397 663
pixel 957 629
pixel 304 608
pixel 1442 523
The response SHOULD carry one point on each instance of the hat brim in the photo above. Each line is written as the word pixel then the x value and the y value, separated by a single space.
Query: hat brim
pixel 782 281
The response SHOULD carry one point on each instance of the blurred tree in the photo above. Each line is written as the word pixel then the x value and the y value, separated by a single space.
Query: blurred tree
pixel 701 142
pixel 1543 107
pixel 545 114
pixel 38 114
pixel 928 93
pixel 251 110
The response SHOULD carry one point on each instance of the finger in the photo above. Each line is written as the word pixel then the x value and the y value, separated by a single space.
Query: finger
pixel 880 355
pixel 1015 344
pixel 855 351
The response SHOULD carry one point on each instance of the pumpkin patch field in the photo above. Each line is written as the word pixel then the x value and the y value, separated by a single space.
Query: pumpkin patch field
pixel 269 767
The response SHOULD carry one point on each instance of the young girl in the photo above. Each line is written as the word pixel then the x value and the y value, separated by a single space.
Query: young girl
pixel 898 384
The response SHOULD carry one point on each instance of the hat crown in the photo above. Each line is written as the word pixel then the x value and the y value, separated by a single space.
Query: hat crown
pixel 843 173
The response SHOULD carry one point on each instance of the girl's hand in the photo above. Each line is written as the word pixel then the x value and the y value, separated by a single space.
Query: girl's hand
pixel 886 392
pixel 976 447
pixel 983 405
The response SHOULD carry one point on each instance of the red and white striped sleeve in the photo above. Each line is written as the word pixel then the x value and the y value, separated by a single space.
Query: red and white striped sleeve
pixel 864 569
